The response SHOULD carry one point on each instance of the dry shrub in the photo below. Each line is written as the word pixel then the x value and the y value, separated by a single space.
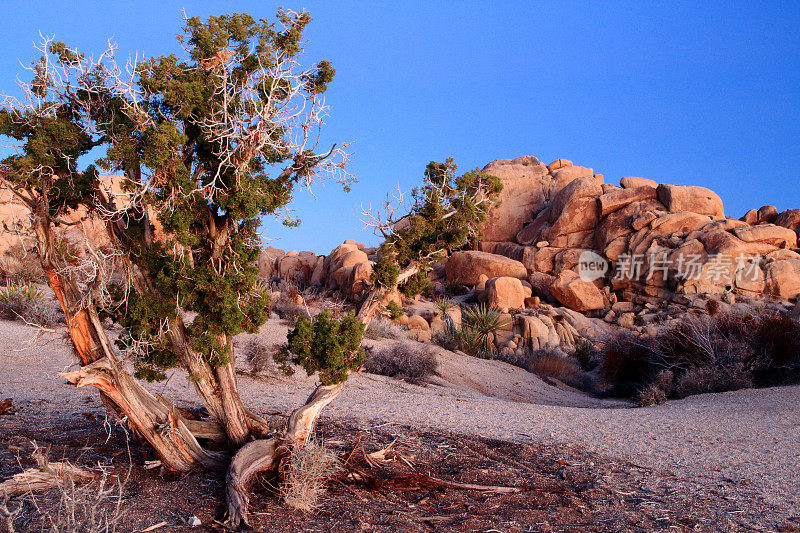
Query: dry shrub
pixel 410 361
pixel 558 366
pixel 96 507
pixel 310 468
pixel 658 391
pixel 20 265
pixel 261 356
pixel 552 363
pixel 27 302
pixel 382 328
pixel 71 507
pixel 286 306
pixel 702 379
pixel 728 351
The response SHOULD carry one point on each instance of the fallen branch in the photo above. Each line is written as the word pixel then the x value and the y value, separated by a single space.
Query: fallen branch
pixel 43 476
pixel 416 480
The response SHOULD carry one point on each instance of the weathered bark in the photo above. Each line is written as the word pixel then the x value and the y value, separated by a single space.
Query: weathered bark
pixel 122 395
pixel 374 299
pixel 268 455
pixel 302 420
pixel 216 387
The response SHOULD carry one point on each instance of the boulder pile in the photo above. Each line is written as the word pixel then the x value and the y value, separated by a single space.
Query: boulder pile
pixel 659 241
pixel 565 255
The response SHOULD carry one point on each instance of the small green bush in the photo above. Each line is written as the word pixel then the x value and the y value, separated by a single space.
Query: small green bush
pixel 416 284
pixel 327 345
pixel 385 271
pixel 395 311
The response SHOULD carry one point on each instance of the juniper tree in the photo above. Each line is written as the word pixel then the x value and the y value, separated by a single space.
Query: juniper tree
pixel 446 214
pixel 207 144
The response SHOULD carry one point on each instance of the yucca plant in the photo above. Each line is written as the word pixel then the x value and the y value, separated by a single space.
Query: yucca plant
pixel 25 292
pixel 472 336
pixel 482 320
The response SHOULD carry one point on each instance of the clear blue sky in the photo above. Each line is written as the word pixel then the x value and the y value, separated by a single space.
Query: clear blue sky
pixel 679 92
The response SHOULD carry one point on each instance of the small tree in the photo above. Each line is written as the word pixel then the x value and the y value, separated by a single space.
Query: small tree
pixel 446 214
pixel 207 144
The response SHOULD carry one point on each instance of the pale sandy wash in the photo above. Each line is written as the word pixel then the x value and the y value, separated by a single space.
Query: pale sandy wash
pixel 744 444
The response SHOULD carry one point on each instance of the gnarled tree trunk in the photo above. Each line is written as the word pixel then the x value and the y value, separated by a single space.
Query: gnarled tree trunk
pixel 268 455
pixel 374 299
pixel 158 423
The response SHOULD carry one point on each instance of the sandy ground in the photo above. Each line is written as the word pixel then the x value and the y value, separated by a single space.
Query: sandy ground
pixel 745 445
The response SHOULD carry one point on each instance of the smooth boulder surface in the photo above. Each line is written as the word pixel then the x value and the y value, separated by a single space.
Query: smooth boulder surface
pixel 575 293
pixel 691 198
pixel 467 267
pixel 505 293
pixel 523 193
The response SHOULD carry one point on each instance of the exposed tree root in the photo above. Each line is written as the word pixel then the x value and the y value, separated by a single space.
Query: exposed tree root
pixel 252 458
pixel 264 455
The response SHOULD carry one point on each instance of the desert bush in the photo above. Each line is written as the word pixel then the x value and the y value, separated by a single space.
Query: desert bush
pixel 395 311
pixel 727 351
pixel 27 302
pixel 260 354
pixel 473 336
pixel 552 363
pixel 412 362
pixel 657 392
pixel 20 265
pixel 310 468
pixel 457 339
pixel 286 306
pixel 383 328
pixel 586 354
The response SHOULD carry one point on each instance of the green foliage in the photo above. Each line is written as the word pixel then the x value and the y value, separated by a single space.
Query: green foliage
pixel 446 214
pixel 327 345
pixel 395 311
pixel 207 194
pixel 385 271
pixel 416 284
pixel 25 292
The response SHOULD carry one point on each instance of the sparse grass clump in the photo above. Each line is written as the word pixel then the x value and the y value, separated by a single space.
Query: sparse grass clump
pixel 412 362
pixel 382 328
pixel 727 351
pixel 310 468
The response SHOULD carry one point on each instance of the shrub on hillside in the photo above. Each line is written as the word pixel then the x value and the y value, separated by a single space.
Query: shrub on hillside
pixel 383 328
pixel 727 351
pixel 552 363
pixel 409 361
pixel 20 265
